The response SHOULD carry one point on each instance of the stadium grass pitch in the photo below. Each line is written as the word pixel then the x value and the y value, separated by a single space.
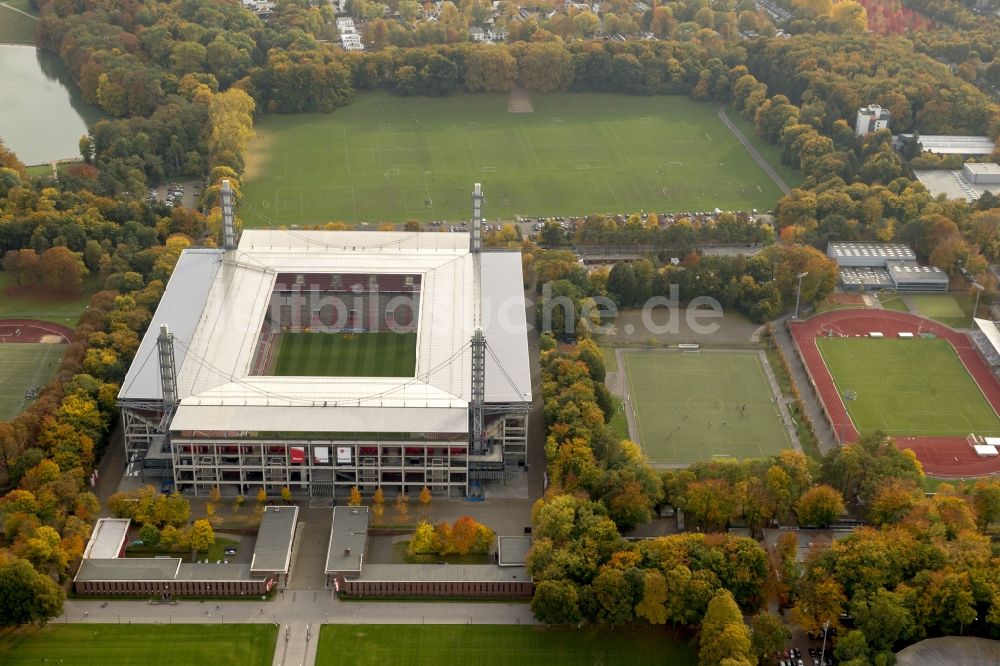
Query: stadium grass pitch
pixel 23 365
pixel 129 644
pixel 383 354
pixel 379 159
pixel 499 645
pixel 693 406
pixel 907 387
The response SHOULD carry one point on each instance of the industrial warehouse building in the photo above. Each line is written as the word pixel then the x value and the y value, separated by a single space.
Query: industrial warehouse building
pixel 878 266
pixel 205 404
pixel 969 183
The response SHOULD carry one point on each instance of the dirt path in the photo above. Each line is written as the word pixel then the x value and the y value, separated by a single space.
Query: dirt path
pixel 761 162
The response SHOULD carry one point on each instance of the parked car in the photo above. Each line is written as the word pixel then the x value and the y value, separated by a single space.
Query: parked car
pixel 230 551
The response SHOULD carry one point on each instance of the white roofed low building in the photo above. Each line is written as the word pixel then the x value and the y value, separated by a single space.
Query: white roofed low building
pixel 233 416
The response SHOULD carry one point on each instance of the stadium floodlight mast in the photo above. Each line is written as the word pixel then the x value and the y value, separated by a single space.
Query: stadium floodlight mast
pixel 979 291
pixel 798 294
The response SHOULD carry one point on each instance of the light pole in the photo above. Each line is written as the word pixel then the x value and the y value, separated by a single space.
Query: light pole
pixel 798 294
pixel 979 291
pixel 822 653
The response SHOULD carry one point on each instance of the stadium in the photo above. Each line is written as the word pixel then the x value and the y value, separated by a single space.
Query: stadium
pixel 319 360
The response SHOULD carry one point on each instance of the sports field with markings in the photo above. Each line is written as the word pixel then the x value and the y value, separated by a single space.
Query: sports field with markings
pixel 907 387
pixel 691 406
pixel 379 159
pixel 383 354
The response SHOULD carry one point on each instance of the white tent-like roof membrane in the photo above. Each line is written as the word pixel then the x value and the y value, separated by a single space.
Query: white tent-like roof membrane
pixel 215 305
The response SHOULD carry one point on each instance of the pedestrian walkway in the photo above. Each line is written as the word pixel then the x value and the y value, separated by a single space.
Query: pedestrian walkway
pixel 296 645
pixel 783 403
pixel 810 401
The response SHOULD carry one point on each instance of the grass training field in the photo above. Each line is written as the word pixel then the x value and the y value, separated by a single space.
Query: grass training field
pixel 383 354
pixel 23 365
pixel 15 27
pixel 127 645
pixel 953 310
pixel 689 406
pixel 577 153
pixel 907 387
pixel 497 645
pixel 16 304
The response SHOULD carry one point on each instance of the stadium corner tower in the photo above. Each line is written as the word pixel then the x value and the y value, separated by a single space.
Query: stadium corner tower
pixel 321 360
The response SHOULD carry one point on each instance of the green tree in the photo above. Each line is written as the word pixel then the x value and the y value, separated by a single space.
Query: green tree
pixel 651 608
pixel 149 534
pixel 27 596
pixel 986 501
pixel 884 617
pixel 852 646
pixel 556 602
pixel 724 636
pixel 202 535
pixel 768 636
pixel 819 506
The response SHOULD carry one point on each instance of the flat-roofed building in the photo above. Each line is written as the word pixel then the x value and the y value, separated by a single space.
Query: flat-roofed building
pixel 987 173
pixel 941 144
pixel 272 553
pixel 107 541
pixel 871 118
pixel 876 266
pixel 345 554
pixel 911 276
pixel 439 580
pixel 104 570
pixel 868 254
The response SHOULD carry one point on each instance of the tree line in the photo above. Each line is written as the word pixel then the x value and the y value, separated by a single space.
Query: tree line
pixel 48 452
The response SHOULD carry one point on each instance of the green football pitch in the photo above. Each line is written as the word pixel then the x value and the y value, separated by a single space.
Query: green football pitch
pixel 21 366
pixel 129 644
pixel 383 354
pixel 692 406
pixel 498 645
pixel 907 387
pixel 383 158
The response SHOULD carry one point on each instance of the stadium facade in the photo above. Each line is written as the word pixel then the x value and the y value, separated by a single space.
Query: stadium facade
pixel 201 405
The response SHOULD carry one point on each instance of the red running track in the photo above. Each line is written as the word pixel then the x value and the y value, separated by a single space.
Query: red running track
pixel 940 456
pixel 31 330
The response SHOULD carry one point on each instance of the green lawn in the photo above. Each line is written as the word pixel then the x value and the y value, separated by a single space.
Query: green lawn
pixel 688 405
pixel 15 27
pixel 619 422
pixel 953 310
pixel 384 158
pixel 498 645
pixel 770 152
pixel 65 311
pixel 126 645
pixel 383 354
pixel 907 387
pixel 894 303
pixel 21 366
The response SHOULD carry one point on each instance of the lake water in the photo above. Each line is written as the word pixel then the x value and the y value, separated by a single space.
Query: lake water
pixel 42 115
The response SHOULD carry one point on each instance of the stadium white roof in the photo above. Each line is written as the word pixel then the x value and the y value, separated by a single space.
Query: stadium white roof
pixel 990 330
pixel 181 307
pixel 216 301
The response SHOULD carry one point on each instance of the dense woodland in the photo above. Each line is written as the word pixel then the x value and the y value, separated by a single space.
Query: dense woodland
pixel 53 238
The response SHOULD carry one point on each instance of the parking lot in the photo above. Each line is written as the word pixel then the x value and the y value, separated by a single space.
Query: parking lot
pixel 179 193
